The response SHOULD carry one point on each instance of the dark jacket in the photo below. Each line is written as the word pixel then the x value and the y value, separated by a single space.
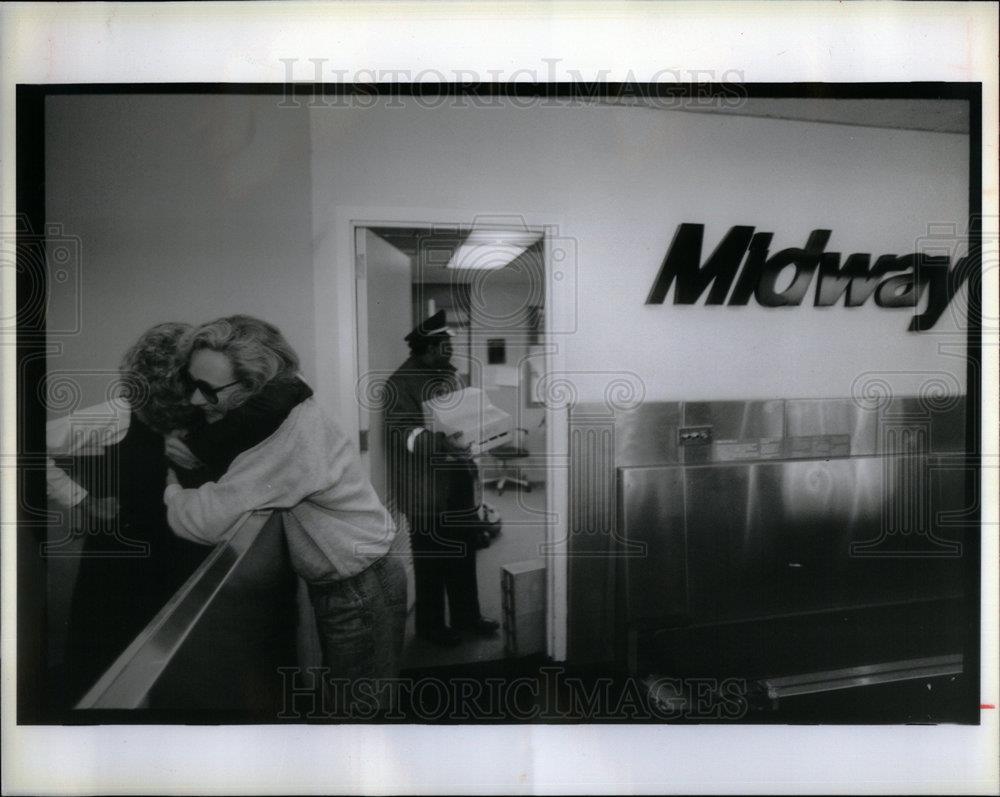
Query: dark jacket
pixel 129 570
pixel 218 444
pixel 127 574
pixel 433 478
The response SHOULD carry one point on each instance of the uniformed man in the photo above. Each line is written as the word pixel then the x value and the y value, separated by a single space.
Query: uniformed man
pixel 432 479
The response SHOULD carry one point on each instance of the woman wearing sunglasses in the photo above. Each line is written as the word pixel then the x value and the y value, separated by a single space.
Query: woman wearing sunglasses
pixel 337 530
pixel 107 470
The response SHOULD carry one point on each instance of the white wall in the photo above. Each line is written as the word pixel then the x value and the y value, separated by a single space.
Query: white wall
pixel 617 181
pixel 191 207
pixel 622 179
pixel 390 319
pixel 503 316
pixel 183 208
pixel 186 208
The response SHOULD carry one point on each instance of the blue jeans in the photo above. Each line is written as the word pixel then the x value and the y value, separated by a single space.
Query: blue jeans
pixel 361 623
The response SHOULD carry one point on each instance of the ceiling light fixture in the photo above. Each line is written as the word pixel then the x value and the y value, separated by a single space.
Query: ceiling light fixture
pixel 491 249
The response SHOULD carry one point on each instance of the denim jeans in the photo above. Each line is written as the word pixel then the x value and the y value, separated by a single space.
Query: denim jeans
pixel 361 622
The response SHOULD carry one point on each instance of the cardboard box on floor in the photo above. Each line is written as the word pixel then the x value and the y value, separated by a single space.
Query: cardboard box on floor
pixel 469 411
pixel 522 586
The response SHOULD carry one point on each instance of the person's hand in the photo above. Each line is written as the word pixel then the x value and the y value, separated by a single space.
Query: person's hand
pixel 102 508
pixel 456 442
pixel 92 513
pixel 172 477
pixel 180 454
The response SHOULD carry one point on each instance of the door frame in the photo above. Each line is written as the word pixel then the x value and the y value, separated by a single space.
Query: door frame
pixel 338 368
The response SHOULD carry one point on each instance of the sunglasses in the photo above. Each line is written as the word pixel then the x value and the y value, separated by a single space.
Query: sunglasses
pixel 210 393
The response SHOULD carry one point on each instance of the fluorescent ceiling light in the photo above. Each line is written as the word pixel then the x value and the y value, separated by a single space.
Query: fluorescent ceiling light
pixel 489 249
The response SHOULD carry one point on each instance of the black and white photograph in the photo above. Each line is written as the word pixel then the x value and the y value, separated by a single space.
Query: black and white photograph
pixel 353 405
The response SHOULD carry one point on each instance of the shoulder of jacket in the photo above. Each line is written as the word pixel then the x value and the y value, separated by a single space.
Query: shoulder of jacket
pixel 302 426
pixel 307 433
pixel 115 410
pixel 305 415
pixel 408 371
pixel 308 419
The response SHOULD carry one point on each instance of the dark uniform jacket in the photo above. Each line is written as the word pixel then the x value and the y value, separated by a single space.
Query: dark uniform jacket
pixel 432 478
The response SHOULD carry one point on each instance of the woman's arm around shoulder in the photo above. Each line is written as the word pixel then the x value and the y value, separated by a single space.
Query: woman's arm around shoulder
pixel 278 473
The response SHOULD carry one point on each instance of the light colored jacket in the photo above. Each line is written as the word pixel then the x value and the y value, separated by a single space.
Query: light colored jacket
pixel 334 522
pixel 86 432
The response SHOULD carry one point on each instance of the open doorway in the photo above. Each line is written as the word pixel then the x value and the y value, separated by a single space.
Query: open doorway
pixel 491 285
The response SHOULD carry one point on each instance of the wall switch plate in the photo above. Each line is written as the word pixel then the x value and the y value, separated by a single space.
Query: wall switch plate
pixel 694 435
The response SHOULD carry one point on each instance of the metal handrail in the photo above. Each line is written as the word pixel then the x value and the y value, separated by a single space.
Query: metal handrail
pixel 866 675
pixel 128 681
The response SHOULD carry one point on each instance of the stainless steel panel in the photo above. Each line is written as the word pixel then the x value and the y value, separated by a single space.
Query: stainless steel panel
pixel 723 550
pixel 592 507
pixel 948 428
pixel 758 422
pixel 737 420
pixel 832 417
pixel 924 512
pixel 647 434
pixel 764 537
pixel 652 516
pixel 231 656
pixel 953 513
pixel 591 484
pixel 909 424
pixel 219 640
pixel 854 532
pixel 806 513
pixel 904 427
pixel 769 539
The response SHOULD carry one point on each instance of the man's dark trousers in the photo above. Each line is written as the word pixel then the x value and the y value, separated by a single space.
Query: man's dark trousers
pixel 444 561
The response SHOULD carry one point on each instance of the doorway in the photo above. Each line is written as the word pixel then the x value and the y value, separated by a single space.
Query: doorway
pixel 491 285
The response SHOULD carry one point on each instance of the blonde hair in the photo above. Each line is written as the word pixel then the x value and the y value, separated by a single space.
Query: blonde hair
pixel 257 350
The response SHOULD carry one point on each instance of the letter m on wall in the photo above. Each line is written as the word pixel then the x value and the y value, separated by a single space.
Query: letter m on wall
pixel 683 266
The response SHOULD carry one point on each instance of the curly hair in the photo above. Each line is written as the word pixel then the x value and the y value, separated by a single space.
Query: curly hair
pixel 151 378
pixel 257 351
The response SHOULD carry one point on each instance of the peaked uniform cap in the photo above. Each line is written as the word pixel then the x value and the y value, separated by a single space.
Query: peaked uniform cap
pixel 433 327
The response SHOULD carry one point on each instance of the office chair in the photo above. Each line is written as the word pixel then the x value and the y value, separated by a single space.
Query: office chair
pixel 506 454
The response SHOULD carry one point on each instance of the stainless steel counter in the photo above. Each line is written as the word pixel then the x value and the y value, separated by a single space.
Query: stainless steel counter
pixel 708 511
pixel 218 641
